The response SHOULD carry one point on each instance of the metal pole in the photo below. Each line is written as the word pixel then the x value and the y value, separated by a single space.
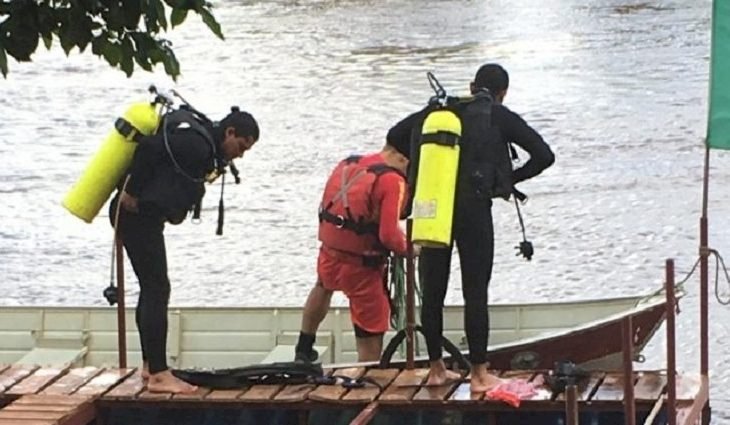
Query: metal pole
pixel 704 245
pixel 628 349
pixel 704 254
pixel 121 322
pixel 671 346
pixel 410 299
pixel 571 404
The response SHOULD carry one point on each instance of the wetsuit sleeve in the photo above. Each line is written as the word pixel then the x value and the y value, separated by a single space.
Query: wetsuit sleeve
pixel 141 170
pixel 517 131
pixel 390 194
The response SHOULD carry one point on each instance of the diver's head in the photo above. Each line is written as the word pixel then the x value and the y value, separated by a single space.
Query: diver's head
pixel 492 77
pixel 239 132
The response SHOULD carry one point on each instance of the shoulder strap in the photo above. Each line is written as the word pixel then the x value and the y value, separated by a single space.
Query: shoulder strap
pixel 171 122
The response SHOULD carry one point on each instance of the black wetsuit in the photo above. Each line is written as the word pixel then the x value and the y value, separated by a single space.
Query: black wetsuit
pixel 163 194
pixel 472 231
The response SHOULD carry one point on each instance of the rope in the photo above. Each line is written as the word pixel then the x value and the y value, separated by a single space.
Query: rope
pixel 397 288
pixel 679 286
pixel 719 260
pixel 397 293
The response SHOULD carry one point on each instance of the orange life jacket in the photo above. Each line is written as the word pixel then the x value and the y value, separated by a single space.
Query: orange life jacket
pixel 348 220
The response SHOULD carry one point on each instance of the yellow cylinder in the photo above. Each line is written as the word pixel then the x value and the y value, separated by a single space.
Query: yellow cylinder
pixel 107 167
pixel 438 166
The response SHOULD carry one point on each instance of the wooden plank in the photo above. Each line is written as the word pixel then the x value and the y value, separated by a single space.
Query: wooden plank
pixel 437 393
pixel 69 400
pixel 611 389
pixel 147 395
pixel 225 395
pixel 199 394
pixel 298 392
pixel 19 414
pixel 586 387
pixel 37 381
pixel 405 386
pixel 366 415
pixel 688 386
pixel 370 392
pixel 71 381
pixel 688 413
pixel 15 374
pixel 27 422
pixel 294 393
pixel 336 391
pixel 39 407
pixel 104 381
pixel 650 386
pixel 261 393
pixel 129 388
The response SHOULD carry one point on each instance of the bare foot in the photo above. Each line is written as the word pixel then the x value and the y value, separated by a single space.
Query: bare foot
pixel 483 382
pixel 145 371
pixel 439 375
pixel 166 382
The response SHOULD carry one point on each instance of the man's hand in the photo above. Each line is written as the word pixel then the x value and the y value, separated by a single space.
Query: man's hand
pixel 129 202
pixel 416 250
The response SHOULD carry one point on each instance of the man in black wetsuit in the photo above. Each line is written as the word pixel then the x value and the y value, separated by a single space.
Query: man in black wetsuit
pixel 166 179
pixel 472 229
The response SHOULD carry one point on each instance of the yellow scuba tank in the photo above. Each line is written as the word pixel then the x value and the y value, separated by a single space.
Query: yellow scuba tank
pixel 438 165
pixel 107 167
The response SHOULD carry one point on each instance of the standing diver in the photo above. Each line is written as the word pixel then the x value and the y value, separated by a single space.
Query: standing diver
pixel 478 180
pixel 165 181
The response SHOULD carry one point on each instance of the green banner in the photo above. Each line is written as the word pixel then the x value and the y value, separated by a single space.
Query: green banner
pixel 718 126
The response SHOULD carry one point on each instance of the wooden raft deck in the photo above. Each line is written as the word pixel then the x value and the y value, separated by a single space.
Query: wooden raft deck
pixel 60 396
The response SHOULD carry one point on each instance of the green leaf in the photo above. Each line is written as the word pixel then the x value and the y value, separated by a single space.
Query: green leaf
pixel 21 39
pixel 172 66
pixel 66 37
pixel 48 40
pixel 3 62
pixel 178 16
pixel 156 55
pixel 112 52
pixel 127 61
pixel 132 14
pixel 160 10
pixel 210 21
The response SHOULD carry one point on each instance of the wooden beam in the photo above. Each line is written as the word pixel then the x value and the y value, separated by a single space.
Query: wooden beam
pixel 366 415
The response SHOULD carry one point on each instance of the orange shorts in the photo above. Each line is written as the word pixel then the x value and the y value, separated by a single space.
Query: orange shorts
pixel 364 287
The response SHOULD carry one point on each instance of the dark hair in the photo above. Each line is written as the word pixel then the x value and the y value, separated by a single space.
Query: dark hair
pixel 242 122
pixel 493 77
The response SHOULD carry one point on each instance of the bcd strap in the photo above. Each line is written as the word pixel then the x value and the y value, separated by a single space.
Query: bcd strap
pixel 359 227
pixel 443 138
pixel 127 130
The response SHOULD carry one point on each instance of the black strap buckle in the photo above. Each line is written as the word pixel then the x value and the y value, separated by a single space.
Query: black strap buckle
pixel 126 129
pixel 339 221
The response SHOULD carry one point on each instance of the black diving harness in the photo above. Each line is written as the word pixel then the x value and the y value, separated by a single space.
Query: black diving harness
pixel 442 99
pixel 185 114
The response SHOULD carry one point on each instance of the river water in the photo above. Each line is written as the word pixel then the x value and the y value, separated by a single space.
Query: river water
pixel 618 88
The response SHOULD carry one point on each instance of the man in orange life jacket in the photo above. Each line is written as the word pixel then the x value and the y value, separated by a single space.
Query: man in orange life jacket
pixel 362 203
